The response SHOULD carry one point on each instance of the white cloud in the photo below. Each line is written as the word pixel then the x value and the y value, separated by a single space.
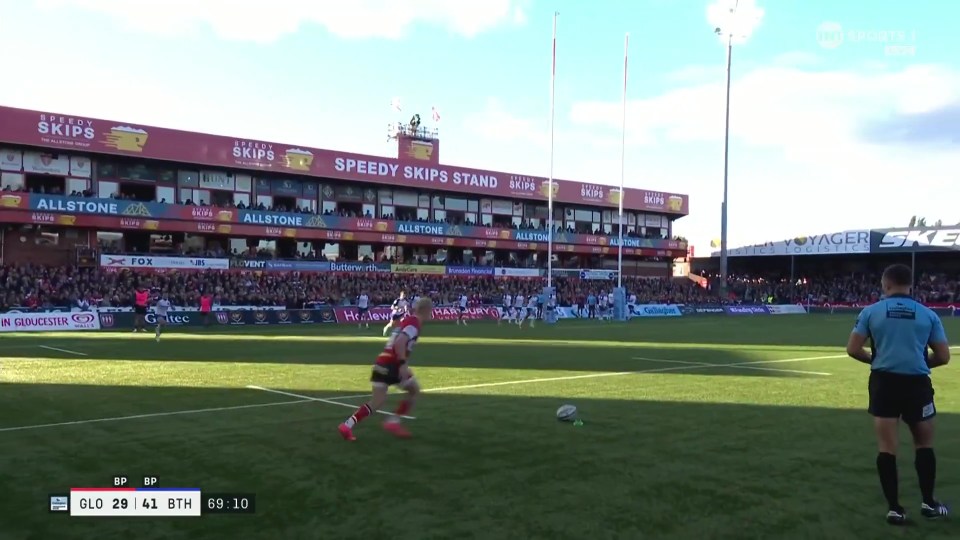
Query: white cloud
pixel 780 107
pixel 495 122
pixel 802 161
pixel 250 20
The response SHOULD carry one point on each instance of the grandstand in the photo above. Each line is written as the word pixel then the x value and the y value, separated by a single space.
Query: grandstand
pixel 143 189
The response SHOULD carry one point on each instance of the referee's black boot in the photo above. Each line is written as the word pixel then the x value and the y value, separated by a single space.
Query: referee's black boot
pixel 936 510
pixel 897 516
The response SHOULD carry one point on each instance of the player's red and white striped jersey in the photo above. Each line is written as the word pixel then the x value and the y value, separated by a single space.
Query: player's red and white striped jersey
pixel 410 326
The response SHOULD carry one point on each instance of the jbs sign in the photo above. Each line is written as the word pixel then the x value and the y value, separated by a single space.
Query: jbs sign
pixel 906 240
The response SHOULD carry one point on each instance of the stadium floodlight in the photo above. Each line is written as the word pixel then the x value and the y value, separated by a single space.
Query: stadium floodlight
pixel 734 22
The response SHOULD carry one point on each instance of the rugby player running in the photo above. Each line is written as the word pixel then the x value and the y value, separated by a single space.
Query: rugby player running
pixel 397 311
pixel 392 368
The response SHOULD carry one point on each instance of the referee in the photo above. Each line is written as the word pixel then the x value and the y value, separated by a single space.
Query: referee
pixel 899 330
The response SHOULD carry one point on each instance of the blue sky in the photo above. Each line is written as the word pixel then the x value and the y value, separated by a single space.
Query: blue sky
pixel 826 135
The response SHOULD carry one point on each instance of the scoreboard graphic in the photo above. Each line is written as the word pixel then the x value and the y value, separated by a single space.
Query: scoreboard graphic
pixel 149 500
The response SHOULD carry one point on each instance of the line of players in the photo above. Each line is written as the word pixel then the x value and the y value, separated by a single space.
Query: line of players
pixel 402 307
pixel 516 309
pixel 520 308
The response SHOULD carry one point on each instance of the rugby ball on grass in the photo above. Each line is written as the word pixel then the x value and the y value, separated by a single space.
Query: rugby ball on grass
pixel 566 413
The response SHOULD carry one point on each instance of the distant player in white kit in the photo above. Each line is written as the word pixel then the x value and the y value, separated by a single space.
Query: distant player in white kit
pixel 610 303
pixel 363 310
pixel 462 308
pixel 397 312
pixel 602 307
pixel 161 308
pixel 631 305
pixel 520 306
pixel 507 309
pixel 530 312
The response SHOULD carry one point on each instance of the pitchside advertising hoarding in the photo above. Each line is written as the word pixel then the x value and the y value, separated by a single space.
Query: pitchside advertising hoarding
pixel 49 322
pixel 324 315
pixel 123 318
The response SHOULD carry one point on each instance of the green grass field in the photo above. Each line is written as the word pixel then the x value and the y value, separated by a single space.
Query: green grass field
pixel 693 428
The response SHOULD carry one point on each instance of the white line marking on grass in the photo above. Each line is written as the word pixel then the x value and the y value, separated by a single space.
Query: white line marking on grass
pixel 758 368
pixel 152 415
pixel 321 400
pixel 620 374
pixel 49 348
pixel 355 396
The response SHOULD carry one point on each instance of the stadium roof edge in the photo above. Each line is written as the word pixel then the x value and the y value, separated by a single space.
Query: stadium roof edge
pixel 847 242
pixel 411 169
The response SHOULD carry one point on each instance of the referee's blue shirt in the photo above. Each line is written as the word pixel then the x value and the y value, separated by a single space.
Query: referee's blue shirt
pixel 900 328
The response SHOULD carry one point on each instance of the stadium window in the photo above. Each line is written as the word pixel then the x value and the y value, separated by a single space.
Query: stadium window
pixel 165 194
pixel 241 199
pixel 459 205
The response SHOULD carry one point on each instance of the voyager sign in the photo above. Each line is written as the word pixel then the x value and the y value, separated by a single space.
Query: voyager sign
pixel 839 243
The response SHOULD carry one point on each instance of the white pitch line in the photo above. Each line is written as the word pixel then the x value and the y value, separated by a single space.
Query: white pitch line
pixel 321 400
pixel 620 374
pixel 758 368
pixel 49 348
pixel 151 415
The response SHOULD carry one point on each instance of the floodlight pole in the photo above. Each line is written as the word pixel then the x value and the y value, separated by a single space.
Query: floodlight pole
pixel 724 272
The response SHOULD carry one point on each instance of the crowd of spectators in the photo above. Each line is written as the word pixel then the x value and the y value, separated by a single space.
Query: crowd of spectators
pixel 41 286
pixel 34 286
pixel 838 289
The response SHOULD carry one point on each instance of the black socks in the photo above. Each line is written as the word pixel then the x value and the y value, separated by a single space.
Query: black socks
pixel 926 465
pixel 887 469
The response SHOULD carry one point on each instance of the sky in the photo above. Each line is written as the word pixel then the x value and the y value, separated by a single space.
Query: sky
pixel 842 117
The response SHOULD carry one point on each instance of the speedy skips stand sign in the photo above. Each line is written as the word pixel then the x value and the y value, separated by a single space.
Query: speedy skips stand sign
pixel 916 239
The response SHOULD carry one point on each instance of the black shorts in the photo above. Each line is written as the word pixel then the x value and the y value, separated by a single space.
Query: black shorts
pixel 140 310
pixel 901 396
pixel 461 309
pixel 388 374
pixel 362 310
pixel 396 316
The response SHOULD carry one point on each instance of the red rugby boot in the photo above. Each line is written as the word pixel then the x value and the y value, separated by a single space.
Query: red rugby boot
pixel 346 432
pixel 396 429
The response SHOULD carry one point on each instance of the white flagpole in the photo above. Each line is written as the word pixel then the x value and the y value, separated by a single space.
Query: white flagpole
pixel 550 226
pixel 623 161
